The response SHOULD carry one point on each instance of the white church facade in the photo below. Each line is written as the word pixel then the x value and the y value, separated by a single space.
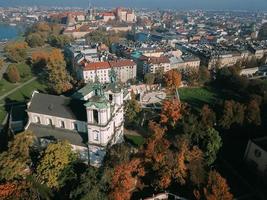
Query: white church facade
pixel 92 119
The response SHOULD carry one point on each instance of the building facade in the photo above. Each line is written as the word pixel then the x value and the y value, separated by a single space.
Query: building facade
pixel 92 119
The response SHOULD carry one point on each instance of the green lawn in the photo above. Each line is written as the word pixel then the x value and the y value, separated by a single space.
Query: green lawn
pixel 135 140
pixel 6 86
pixel 25 92
pixel 198 96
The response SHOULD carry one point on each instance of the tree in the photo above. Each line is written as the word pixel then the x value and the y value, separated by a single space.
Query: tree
pixel 40 59
pixel 217 188
pixel 16 51
pixel 172 79
pixel 253 113
pixel 35 40
pixel 2 63
pixel 124 179
pixel 89 186
pixel 191 76
pixel 171 111
pixel 132 111
pixel 208 117
pixel 15 162
pixel 13 74
pixel 211 144
pixel 55 159
pixel 149 78
pixel 57 75
pixel 204 74
pixel 59 41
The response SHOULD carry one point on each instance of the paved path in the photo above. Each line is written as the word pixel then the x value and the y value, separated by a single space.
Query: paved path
pixel 17 88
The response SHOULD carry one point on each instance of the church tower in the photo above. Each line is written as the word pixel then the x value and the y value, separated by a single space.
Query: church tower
pixel 105 119
pixel 90 14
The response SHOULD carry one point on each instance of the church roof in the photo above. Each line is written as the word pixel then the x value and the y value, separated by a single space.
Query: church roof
pixel 58 106
pixel 99 102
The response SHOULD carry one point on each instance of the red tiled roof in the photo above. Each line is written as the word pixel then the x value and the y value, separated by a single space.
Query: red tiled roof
pixel 106 65
pixel 122 63
pixel 96 66
pixel 108 14
pixel 158 60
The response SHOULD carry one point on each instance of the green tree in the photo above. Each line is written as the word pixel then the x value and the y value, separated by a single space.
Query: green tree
pixel 211 145
pixel 59 41
pixel 15 162
pixel 132 111
pixel 16 51
pixel 55 159
pixel 35 40
pixel 149 78
pixel 90 186
pixel 13 74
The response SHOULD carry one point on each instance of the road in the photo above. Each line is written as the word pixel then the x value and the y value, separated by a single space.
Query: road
pixel 17 88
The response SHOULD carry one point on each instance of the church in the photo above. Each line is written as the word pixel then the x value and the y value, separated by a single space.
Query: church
pixel 92 119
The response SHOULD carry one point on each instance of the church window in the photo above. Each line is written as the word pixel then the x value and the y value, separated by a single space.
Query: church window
pixel 50 122
pixel 62 124
pixel 95 114
pixel 75 126
pixel 110 97
pixel 96 137
pixel 37 120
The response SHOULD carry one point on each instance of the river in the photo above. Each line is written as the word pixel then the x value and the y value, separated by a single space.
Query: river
pixel 8 32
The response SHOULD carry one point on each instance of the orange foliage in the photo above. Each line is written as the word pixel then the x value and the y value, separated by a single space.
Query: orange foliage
pixel 217 188
pixel 125 178
pixel 171 111
pixel 173 79
pixel 8 191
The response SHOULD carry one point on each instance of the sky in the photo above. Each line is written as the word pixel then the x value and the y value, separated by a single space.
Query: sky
pixel 177 4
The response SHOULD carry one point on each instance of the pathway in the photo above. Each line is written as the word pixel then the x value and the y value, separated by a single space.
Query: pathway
pixel 17 88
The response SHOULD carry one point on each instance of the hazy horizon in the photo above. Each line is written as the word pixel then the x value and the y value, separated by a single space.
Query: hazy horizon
pixel 166 4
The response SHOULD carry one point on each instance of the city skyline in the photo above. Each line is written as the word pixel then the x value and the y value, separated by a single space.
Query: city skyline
pixel 168 4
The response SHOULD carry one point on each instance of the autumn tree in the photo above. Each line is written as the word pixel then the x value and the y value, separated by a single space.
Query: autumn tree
pixel 253 113
pixel 171 111
pixel 57 76
pixel 125 178
pixel 217 188
pixel 13 74
pixel 40 59
pixel 2 62
pixel 59 41
pixel 55 159
pixel 16 51
pixel 204 74
pixel 191 76
pixel 15 162
pixel 208 116
pixel 172 79
pixel 233 113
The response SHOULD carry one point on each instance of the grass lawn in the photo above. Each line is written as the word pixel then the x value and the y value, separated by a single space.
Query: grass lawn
pixel 135 140
pixel 25 92
pixel 6 86
pixel 197 97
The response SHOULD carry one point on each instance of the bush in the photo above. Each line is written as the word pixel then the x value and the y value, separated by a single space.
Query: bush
pixel 13 74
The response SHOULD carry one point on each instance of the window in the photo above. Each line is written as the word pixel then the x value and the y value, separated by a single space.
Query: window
pixel 50 122
pixel 62 124
pixel 75 126
pixel 96 137
pixel 110 97
pixel 257 153
pixel 95 114
pixel 37 120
